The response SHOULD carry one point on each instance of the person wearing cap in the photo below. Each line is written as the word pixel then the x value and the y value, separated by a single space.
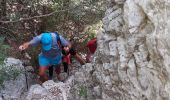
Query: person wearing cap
pixel 50 52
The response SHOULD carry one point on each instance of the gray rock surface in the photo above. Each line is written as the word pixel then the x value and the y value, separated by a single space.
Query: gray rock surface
pixel 132 58
pixel 15 89
pixel 49 91
pixel 76 87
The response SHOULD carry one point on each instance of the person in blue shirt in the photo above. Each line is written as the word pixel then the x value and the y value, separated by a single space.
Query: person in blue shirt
pixel 50 52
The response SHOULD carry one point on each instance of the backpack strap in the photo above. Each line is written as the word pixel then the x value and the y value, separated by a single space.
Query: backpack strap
pixel 53 39
pixel 58 39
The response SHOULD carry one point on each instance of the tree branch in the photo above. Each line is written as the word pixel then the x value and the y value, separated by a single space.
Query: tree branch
pixel 40 16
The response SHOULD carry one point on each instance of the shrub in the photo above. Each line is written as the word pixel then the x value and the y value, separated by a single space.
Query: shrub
pixel 8 73
pixel 3 50
pixel 83 91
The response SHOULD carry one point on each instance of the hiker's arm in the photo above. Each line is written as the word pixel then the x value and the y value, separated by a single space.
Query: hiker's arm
pixel 74 53
pixel 80 59
pixel 24 46
pixel 34 42
pixel 65 43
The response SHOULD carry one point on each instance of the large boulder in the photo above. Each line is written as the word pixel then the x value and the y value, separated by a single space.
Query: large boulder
pixel 49 91
pixel 15 88
pixel 132 58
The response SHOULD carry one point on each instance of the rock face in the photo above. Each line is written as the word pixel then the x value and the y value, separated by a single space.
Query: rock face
pixel 132 58
pixel 15 89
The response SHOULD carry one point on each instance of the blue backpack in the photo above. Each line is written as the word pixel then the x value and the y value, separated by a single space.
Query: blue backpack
pixel 58 39
pixel 52 52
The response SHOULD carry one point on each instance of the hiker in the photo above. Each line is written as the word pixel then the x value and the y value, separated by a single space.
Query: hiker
pixel 74 52
pixel 50 52
pixel 91 46
pixel 66 60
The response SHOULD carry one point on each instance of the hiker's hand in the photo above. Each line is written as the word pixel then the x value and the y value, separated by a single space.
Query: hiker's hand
pixel 24 46
pixel 66 49
pixel 21 47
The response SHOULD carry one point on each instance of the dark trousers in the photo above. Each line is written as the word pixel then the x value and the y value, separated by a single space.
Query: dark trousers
pixel 50 71
pixel 65 66
pixel 57 70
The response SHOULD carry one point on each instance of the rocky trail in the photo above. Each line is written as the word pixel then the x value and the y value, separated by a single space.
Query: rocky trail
pixel 77 86
pixel 132 60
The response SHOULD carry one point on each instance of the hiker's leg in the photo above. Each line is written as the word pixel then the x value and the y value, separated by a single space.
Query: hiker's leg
pixel 50 72
pixel 57 62
pixel 44 63
pixel 58 70
pixel 65 66
pixel 42 74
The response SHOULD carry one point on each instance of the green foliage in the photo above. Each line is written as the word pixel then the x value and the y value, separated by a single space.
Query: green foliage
pixel 3 50
pixel 8 73
pixel 91 31
pixel 54 15
pixel 83 91
pixel 87 11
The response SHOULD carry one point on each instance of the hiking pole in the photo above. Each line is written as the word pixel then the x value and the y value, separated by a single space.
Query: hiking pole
pixel 25 73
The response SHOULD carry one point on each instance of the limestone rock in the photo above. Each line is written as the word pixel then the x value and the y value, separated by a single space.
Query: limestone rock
pixel 88 69
pixel 132 58
pixel 12 61
pixel 15 88
pixel 78 86
pixel 80 77
pixel 38 93
pixel 97 91
pixel 49 91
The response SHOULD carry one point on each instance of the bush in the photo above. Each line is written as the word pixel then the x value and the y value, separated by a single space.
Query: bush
pixel 8 73
pixel 83 91
pixel 3 50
